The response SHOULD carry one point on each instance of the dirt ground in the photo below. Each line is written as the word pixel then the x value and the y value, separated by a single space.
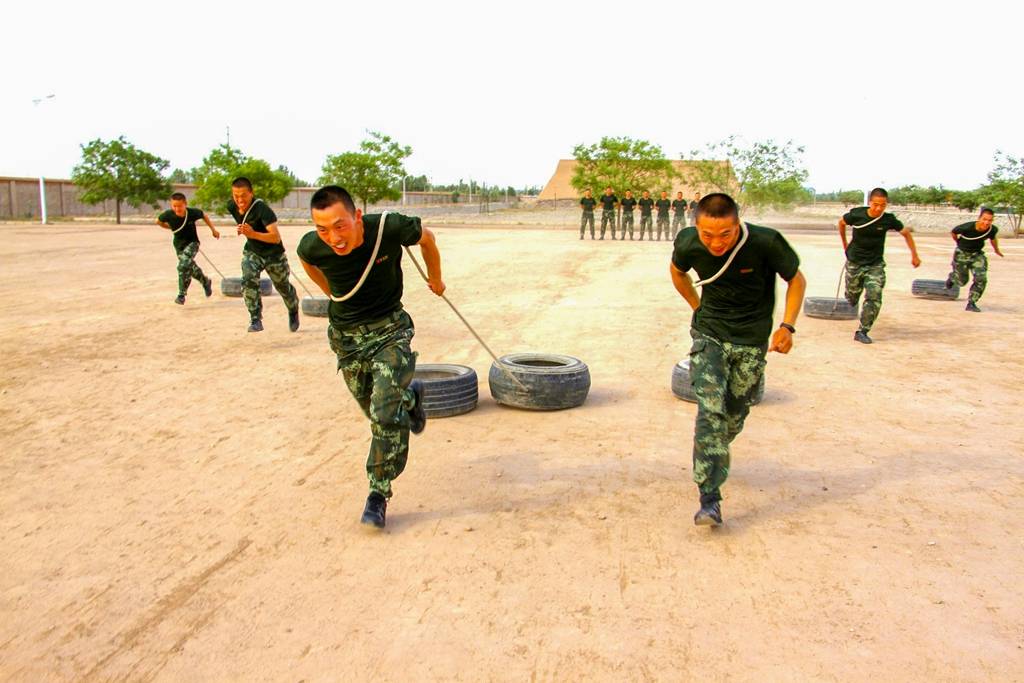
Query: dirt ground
pixel 180 499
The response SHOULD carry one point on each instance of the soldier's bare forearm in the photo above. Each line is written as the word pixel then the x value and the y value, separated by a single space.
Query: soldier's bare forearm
pixel 794 298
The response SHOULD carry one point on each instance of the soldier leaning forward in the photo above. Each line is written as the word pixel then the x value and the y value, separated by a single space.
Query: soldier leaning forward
pixel 969 256
pixel 181 221
pixel 731 325
pixel 369 331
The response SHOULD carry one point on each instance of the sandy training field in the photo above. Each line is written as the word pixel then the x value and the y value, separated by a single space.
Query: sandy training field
pixel 180 499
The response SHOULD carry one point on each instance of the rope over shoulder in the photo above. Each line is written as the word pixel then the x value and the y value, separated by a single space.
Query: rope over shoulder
pixel 369 266
pixel 979 237
pixel 728 262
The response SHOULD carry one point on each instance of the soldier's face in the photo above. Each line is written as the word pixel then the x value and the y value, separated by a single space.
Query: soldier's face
pixel 719 235
pixel 588 193
pixel 628 193
pixel 679 195
pixel 877 204
pixel 664 195
pixel 984 222
pixel 647 195
pixel 608 190
pixel 242 196
pixel 178 206
pixel 339 229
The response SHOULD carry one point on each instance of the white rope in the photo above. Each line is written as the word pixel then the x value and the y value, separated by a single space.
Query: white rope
pixel 183 223
pixel 246 216
pixel 728 262
pixel 369 266
pixel 979 237
pixel 864 225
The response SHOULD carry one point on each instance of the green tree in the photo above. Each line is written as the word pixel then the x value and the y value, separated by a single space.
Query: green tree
pixel 120 171
pixel 767 173
pixel 968 200
pixel 295 180
pixel 180 175
pixel 624 164
pixel 372 174
pixel 226 163
pixel 1005 191
pixel 847 197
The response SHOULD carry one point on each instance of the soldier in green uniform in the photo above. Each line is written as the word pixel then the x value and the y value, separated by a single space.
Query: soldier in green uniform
pixel 356 260
pixel 587 203
pixel 678 214
pixel 263 251
pixel 628 203
pixel 865 262
pixel 646 204
pixel 608 203
pixel 732 322
pixel 181 221
pixel 969 256
pixel 693 208
pixel 663 206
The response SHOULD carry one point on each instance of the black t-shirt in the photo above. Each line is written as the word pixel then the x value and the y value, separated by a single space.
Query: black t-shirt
pixel 588 204
pixel 867 245
pixel 645 206
pixel 663 206
pixel 608 202
pixel 628 204
pixel 381 294
pixel 678 206
pixel 693 205
pixel 738 306
pixel 184 229
pixel 970 240
pixel 259 216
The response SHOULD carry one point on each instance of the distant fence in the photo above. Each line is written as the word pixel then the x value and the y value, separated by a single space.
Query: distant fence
pixel 19 200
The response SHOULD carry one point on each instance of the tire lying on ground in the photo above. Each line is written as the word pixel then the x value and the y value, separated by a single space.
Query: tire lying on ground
pixel 830 309
pixel 682 388
pixel 934 289
pixel 232 286
pixel 447 389
pixel 549 381
pixel 315 306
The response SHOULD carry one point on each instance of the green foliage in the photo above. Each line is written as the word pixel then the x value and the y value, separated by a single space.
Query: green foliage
pixel 372 173
pixel 180 176
pixel 120 171
pixel 848 197
pixel 295 180
pixel 968 200
pixel 624 164
pixel 916 194
pixel 767 173
pixel 1005 190
pixel 226 163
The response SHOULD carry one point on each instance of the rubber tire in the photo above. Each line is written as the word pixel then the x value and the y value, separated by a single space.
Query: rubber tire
pixel 448 389
pixel 934 289
pixel 232 286
pixel 683 389
pixel 821 307
pixel 549 381
pixel 315 306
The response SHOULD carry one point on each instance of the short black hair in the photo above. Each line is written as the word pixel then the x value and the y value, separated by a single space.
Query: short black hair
pixel 178 197
pixel 878 192
pixel 329 195
pixel 987 210
pixel 718 205
pixel 242 181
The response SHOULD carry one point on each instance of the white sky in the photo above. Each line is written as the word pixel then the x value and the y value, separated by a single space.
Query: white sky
pixel 878 92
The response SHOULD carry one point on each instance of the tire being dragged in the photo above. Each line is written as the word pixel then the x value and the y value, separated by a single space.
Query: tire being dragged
pixel 546 381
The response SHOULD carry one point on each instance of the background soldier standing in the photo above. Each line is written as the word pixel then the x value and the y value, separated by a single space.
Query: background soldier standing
pixel 369 331
pixel 263 251
pixel 646 203
pixel 663 205
pixel 608 203
pixel 693 208
pixel 865 262
pixel 628 203
pixel 732 321
pixel 588 203
pixel 969 255
pixel 181 221
pixel 678 214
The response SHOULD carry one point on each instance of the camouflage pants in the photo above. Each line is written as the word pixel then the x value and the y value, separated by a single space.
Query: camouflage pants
pixel 678 223
pixel 663 225
pixel 378 365
pixel 725 378
pixel 871 281
pixel 627 222
pixel 588 217
pixel 973 263
pixel 277 268
pixel 645 222
pixel 187 268
pixel 606 218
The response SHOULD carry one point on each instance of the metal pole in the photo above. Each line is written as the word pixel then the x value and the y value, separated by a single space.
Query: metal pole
pixel 403 190
pixel 42 198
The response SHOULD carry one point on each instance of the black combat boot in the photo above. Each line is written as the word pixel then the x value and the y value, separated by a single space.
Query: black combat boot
pixel 256 325
pixel 293 320
pixel 375 510
pixel 710 514
pixel 417 416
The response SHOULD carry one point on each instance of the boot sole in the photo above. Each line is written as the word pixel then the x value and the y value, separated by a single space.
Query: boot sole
pixel 706 521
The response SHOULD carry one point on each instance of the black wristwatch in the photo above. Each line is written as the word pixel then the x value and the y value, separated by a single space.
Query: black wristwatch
pixel 792 330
